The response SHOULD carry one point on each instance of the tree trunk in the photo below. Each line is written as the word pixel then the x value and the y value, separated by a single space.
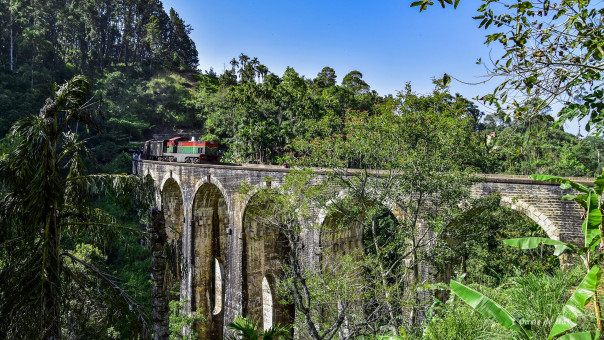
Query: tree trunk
pixel 415 263
pixel 161 310
pixel 51 303
pixel 301 297
pixel 12 46
pixel 32 72
pixel 384 279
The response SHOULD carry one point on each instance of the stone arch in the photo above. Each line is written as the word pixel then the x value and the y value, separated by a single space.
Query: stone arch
pixel 168 177
pixel 148 173
pixel 210 227
pixel 533 213
pixel 350 239
pixel 218 184
pixel 511 211
pixel 173 208
pixel 246 198
pixel 264 254
pixel 174 217
pixel 334 241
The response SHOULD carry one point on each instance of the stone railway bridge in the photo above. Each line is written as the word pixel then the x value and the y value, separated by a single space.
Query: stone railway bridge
pixel 230 263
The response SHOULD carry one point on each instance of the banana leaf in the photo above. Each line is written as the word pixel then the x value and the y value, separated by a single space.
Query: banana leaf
pixel 593 219
pixel 567 319
pixel 534 242
pixel 488 308
pixel 580 336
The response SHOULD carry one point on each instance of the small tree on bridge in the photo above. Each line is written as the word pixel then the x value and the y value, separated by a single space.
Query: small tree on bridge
pixel 324 296
pixel 414 158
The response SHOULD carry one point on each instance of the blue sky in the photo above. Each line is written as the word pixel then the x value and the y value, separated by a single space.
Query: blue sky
pixel 389 42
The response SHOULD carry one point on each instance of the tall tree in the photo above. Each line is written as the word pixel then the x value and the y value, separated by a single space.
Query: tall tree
pixel 45 205
pixel 326 78
pixel 185 53
pixel 354 81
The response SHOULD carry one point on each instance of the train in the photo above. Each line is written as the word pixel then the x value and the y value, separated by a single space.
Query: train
pixel 182 150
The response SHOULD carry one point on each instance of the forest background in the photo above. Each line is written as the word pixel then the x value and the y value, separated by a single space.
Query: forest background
pixel 146 81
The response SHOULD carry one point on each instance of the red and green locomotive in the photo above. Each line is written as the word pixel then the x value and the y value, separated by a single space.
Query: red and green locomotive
pixel 182 150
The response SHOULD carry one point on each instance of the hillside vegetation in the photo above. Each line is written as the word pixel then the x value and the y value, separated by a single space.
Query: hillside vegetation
pixel 83 82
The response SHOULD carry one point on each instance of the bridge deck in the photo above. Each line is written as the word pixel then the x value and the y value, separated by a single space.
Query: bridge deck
pixel 494 178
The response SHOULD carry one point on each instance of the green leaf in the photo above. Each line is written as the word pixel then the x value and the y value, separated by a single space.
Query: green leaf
pixel 245 328
pixel 581 336
pixel 599 184
pixel 456 3
pixel 591 224
pixel 569 197
pixel 534 242
pixel 564 183
pixel 567 318
pixel 579 199
pixel 487 307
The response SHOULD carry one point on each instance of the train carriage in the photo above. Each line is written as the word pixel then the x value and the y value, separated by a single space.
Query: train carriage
pixel 154 149
pixel 181 149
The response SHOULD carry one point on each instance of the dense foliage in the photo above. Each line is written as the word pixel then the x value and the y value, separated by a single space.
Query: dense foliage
pixel 59 246
pixel 551 52
pixel 142 62
pixel 51 232
pixel 46 41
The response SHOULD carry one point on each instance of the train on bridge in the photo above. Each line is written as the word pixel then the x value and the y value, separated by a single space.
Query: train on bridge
pixel 182 150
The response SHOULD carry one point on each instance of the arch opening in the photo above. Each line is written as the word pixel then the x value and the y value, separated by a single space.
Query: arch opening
pixel 174 213
pixel 353 233
pixel 174 217
pixel 267 305
pixel 210 221
pixel 217 288
pixel 338 236
pixel 485 259
pixel 357 249
pixel 265 253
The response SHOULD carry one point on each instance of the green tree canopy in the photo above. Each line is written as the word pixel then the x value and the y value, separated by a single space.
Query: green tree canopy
pixel 552 50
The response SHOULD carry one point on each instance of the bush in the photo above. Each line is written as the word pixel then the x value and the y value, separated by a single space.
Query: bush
pixel 179 319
